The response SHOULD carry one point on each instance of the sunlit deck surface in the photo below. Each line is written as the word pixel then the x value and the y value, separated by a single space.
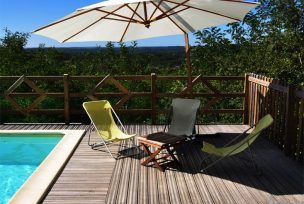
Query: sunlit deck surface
pixel 94 177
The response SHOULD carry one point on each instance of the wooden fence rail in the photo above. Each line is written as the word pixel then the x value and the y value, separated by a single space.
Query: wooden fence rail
pixel 206 90
pixel 285 103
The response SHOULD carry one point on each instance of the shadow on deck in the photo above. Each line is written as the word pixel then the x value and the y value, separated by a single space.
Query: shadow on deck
pixel 94 177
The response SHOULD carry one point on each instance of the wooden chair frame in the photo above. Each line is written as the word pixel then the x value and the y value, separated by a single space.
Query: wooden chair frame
pixel 169 147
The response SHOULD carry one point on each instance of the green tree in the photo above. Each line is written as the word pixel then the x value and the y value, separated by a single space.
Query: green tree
pixel 269 41
pixel 12 51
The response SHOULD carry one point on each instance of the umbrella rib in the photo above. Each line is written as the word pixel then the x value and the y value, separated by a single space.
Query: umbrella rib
pixel 155 10
pixel 122 20
pixel 169 18
pixel 135 13
pixel 115 14
pixel 125 31
pixel 62 20
pixel 178 5
pixel 80 31
pixel 242 2
pixel 218 14
pixel 171 14
pixel 92 24
pixel 207 11
pixel 145 11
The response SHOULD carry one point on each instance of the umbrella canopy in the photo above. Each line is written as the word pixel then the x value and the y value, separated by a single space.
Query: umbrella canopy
pixel 128 20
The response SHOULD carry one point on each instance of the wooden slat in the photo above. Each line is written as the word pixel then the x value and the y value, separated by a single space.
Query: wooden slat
pixel 258 81
pixel 246 100
pixel 225 78
pixel 91 94
pixel 210 111
pixel 300 144
pixel 153 98
pixel 223 95
pixel 93 177
pixel 66 98
pixel 125 77
pixel 34 94
pixel 15 85
pixel 291 123
pixel 300 94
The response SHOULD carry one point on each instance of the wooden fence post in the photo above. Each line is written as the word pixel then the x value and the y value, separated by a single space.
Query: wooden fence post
pixel 66 99
pixel 153 98
pixel 246 100
pixel 290 125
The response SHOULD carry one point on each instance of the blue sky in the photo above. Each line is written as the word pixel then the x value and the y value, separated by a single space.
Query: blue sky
pixel 28 15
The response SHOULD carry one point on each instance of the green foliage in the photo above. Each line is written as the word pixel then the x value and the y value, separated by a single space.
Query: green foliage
pixel 16 60
pixel 12 51
pixel 270 41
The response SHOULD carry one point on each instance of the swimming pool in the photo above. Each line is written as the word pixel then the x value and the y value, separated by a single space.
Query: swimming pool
pixel 20 155
pixel 31 160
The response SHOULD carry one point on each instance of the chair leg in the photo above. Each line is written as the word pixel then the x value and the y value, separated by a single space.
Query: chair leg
pixel 109 151
pixel 202 163
pixel 90 131
pixel 212 164
pixel 101 144
pixel 171 153
pixel 259 172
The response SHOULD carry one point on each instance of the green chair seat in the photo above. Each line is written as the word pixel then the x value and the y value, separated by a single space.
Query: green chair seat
pixel 231 149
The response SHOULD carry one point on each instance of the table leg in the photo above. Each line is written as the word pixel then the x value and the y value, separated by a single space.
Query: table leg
pixel 151 157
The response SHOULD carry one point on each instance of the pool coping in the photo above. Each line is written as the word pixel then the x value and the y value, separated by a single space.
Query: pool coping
pixel 38 184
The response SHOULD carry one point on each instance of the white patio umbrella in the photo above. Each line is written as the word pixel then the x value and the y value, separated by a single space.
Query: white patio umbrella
pixel 128 20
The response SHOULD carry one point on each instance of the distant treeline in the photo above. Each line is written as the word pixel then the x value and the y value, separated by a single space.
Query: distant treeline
pixel 154 50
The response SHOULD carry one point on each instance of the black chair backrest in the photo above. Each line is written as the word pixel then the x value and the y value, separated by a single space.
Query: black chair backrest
pixel 183 116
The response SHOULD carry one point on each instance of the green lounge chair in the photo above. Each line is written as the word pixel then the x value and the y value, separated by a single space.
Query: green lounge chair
pixel 100 114
pixel 231 149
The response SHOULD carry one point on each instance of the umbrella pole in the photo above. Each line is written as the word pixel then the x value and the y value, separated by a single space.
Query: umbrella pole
pixel 189 67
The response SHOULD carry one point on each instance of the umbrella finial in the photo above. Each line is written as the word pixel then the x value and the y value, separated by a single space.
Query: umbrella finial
pixel 147 24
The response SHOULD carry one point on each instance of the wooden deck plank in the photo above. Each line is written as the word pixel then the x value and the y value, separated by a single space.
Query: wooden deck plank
pixel 253 185
pixel 215 185
pixel 151 176
pixel 268 180
pixel 190 180
pixel 163 192
pixel 92 176
pixel 202 189
pixel 261 182
pixel 286 179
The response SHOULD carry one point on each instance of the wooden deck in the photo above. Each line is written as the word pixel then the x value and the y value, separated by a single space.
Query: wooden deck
pixel 94 177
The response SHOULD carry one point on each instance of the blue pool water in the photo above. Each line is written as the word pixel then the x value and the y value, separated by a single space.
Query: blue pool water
pixel 20 155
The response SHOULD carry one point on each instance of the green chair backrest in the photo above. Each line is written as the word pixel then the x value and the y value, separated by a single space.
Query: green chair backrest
pixel 100 114
pixel 183 116
pixel 263 123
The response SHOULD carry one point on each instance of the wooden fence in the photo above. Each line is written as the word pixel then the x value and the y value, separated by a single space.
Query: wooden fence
pixel 203 87
pixel 258 94
pixel 285 103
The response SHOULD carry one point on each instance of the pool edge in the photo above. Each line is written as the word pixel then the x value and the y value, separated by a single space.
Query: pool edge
pixel 38 184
